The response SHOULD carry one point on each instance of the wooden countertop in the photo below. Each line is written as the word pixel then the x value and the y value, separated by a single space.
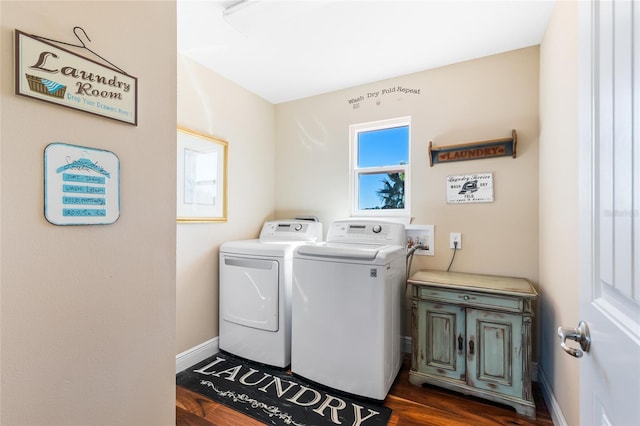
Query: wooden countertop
pixel 464 281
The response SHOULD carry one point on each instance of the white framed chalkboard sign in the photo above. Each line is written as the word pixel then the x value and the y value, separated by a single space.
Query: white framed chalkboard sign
pixel 81 185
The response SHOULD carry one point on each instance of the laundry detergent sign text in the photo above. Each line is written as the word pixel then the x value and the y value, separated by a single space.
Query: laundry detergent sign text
pixel 53 74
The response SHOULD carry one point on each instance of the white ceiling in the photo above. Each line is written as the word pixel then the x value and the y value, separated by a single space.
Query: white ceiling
pixel 287 50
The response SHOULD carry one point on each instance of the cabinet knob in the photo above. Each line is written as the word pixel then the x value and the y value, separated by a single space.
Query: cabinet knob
pixel 465 297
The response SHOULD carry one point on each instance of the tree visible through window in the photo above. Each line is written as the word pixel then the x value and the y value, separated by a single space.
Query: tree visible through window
pixel 392 195
pixel 380 163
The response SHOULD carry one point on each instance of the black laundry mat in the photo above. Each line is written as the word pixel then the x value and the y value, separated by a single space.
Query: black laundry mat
pixel 276 397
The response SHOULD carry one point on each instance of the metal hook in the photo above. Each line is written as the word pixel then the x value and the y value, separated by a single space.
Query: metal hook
pixel 85 46
pixel 82 45
pixel 78 37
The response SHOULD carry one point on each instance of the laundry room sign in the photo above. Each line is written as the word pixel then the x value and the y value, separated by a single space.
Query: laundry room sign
pixel 474 150
pixel 52 74
pixel 473 188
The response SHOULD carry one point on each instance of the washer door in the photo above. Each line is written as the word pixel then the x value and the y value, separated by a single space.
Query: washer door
pixel 249 292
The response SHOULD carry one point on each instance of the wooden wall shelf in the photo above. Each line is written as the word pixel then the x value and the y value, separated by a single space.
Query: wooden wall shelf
pixel 473 150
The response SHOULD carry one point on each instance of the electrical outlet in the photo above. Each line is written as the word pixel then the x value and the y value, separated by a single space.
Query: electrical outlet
pixel 455 237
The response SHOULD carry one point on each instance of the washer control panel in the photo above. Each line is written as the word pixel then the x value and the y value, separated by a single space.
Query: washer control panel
pixel 367 232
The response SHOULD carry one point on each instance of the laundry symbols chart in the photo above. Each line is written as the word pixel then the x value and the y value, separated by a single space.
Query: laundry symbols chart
pixel 82 185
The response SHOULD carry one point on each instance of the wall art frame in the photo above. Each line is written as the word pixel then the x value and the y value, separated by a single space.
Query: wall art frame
pixel 201 177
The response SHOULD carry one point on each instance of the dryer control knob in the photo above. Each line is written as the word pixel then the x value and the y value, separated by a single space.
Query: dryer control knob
pixel 377 228
pixel 298 227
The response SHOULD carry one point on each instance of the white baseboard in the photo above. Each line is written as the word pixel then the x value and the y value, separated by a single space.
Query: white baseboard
pixel 196 354
pixel 204 350
pixel 550 399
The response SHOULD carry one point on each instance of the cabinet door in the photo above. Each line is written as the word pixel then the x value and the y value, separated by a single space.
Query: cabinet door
pixel 441 337
pixel 494 347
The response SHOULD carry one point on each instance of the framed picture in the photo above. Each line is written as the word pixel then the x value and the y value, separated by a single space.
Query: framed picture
pixel 202 177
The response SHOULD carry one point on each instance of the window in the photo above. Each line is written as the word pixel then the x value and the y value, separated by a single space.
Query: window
pixel 380 168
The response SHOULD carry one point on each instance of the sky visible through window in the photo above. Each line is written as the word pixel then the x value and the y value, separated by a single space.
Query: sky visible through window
pixel 379 148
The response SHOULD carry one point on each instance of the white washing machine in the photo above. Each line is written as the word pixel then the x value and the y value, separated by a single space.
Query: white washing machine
pixel 348 297
pixel 255 291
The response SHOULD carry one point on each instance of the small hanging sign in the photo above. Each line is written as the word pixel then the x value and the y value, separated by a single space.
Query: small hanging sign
pixel 81 185
pixel 474 150
pixel 52 74
pixel 474 188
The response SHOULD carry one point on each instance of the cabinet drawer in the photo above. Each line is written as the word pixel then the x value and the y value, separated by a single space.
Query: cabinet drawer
pixel 470 298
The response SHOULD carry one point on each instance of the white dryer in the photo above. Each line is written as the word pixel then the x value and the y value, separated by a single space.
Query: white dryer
pixel 348 297
pixel 255 291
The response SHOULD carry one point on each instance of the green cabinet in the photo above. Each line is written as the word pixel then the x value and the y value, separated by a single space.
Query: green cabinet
pixel 472 334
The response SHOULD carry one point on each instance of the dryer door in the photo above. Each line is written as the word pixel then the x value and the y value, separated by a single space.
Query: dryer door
pixel 249 291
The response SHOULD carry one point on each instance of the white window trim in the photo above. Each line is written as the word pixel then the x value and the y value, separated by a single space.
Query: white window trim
pixel 354 171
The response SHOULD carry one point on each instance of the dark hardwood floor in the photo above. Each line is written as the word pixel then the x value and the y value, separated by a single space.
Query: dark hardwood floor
pixel 411 405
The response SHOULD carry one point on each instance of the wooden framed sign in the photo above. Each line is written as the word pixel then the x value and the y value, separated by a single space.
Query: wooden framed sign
pixel 52 74
pixel 474 150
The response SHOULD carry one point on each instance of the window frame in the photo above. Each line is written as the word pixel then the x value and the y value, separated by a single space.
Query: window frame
pixel 355 171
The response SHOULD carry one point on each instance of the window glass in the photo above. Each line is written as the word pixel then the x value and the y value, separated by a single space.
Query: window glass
pixel 380 167
pixel 381 191
pixel 383 147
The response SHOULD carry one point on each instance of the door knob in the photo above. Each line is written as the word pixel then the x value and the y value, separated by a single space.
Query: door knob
pixel 580 335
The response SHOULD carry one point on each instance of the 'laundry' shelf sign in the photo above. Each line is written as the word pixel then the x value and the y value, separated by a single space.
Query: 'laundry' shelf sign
pixel 474 150
pixel 82 185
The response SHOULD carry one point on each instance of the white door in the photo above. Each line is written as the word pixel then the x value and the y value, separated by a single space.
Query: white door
pixel 609 210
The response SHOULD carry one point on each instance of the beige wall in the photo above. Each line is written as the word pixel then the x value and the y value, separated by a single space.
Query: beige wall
pixel 470 101
pixel 212 105
pixel 88 312
pixel 559 187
